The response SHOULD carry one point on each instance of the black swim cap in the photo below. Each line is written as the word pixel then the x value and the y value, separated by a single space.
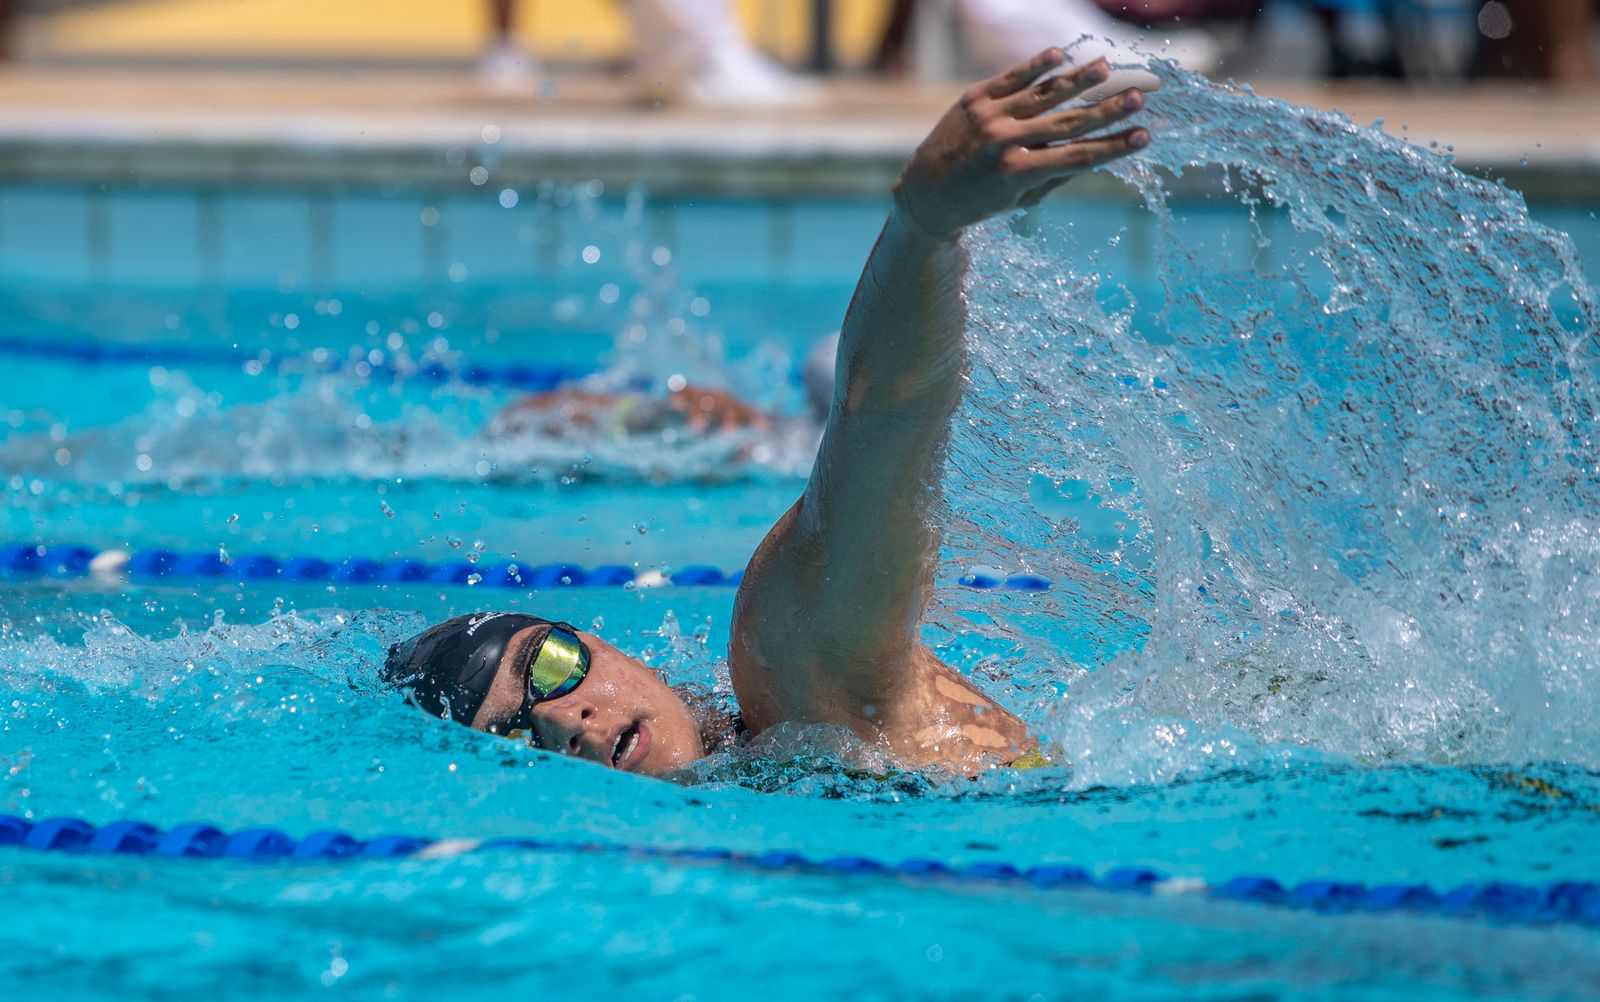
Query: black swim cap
pixel 448 668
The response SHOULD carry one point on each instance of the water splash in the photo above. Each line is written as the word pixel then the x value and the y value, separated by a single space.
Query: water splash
pixel 1357 458
pixel 330 649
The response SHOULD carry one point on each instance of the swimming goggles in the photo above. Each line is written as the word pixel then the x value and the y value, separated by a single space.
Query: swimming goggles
pixel 556 663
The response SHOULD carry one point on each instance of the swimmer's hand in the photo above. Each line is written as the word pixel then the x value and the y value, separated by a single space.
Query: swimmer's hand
pixel 1005 145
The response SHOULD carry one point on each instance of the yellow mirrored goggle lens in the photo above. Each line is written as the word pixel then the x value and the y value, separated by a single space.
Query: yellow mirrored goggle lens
pixel 558 666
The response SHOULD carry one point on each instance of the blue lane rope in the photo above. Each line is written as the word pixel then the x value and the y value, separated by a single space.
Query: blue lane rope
pixel 1568 901
pixel 36 560
pixel 81 351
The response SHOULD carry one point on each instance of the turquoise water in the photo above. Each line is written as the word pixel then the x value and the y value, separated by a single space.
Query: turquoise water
pixel 1253 665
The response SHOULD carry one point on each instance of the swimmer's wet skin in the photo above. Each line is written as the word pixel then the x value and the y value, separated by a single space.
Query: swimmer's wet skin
pixel 561 688
pixel 698 409
pixel 825 622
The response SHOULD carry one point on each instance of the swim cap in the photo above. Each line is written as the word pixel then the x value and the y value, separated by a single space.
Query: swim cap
pixel 448 668
pixel 817 373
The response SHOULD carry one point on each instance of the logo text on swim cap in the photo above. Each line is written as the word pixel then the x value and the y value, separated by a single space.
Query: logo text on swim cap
pixel 477 621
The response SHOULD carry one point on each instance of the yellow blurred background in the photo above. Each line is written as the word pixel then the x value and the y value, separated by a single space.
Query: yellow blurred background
pixel 557 30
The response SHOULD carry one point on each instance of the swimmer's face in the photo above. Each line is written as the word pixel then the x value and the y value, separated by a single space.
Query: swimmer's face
pixel 621 715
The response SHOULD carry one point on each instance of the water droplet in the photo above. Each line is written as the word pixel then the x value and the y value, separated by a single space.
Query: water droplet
pixel 1494 20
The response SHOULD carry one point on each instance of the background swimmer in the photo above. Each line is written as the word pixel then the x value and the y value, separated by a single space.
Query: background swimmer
pixel 825 624
pixel 696 409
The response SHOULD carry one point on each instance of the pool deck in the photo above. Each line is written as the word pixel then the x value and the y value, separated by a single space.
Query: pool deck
pixel 430 127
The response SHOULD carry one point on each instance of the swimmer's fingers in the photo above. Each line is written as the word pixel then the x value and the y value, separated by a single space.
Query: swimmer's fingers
pixel 1075 122
pixel 1019 77
pixel 1053 91
pixel 1034 165
pixel 1002 140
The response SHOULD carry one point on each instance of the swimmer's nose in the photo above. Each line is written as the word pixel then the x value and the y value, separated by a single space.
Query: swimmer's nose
pixel 571 729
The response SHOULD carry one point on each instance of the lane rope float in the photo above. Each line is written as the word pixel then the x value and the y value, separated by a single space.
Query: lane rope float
pixel 1561 902
pixel 39 560
pixel 367 364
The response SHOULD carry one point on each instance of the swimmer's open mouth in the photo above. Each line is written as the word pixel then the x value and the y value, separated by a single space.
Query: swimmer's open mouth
pixel 630 746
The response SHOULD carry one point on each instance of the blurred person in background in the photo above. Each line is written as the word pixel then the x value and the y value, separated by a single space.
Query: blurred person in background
pixel 698 410
pixel 684 50
pixel 685 409
pixel 1343 60
pixel 1538 40
pixel 1515 39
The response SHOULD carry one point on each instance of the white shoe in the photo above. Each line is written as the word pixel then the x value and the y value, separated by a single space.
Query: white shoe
pixel 748 78
pixel 505 67
pixel 694 51
pixel 1000 34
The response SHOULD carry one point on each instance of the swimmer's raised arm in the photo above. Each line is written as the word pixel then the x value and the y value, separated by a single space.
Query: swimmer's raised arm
pixel 825 625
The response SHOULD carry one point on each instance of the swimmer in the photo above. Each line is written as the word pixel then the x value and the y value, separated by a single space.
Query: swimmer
pixel 556 413
pixel 698 410
pixel 825 622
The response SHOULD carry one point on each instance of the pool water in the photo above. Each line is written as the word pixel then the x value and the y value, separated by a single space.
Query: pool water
pixel 1243 657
